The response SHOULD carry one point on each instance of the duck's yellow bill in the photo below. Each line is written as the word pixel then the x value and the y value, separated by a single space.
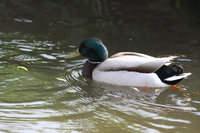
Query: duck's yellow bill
pixel 73 54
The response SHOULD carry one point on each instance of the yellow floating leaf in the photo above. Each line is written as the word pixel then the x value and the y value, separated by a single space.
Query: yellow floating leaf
pixel 156 90
pixel 22 68
pixel 64 80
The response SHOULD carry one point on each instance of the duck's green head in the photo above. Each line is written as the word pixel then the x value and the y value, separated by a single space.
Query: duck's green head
pixel 92 48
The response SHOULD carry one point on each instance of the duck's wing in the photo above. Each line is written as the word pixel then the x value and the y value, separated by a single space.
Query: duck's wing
pixel 131 54
pixel 131 61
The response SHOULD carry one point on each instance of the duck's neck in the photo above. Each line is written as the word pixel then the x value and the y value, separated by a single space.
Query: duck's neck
pixel 88 68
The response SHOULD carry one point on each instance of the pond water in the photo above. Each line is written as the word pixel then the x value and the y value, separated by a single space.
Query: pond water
pixel 42 92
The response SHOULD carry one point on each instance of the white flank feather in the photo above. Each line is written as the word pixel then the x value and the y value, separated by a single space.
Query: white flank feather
pixel 126 78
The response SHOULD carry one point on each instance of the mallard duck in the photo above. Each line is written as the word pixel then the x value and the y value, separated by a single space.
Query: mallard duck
pixel 127 68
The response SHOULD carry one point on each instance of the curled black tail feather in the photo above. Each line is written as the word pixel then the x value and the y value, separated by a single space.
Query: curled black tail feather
pixel 179 69
pixel 169 71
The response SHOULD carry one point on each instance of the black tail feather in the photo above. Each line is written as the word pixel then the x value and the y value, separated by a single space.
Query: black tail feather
pixel 167 71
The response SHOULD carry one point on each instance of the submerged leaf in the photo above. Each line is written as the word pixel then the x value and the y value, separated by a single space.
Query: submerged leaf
pixel 196 93
pixel 177 88
pixel 22 68
pixel 186 93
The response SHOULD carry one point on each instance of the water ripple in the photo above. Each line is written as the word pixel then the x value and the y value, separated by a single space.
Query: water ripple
pixel 53 94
